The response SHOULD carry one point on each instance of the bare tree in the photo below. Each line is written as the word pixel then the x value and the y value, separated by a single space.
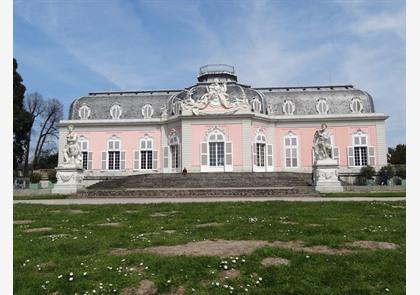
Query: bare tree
pixel 35 106
pixel 52 114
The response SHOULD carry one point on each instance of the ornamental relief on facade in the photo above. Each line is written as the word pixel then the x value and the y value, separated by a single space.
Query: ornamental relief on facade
pixel 215 97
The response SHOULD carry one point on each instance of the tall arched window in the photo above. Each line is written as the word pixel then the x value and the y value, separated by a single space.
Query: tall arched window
pixel 360 153
pixel 174 148
pixel 216 152
pixel 260 143
pixel 146 153
pixel 115 111
pixel 216 149
pixel 291 148
pixel 113 158
pixel 86 155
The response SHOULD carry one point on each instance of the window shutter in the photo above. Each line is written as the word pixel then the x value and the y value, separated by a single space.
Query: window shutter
pixel 336 154
pixel 254 154
pixel 371 156
pixel 155 160
pixel 229 157
pixel 165 157
pixel 103 160
pixel 350 156
pixel 270 164
pixel 136 160
pixel 203 152
pixel 89 166
pixel 122 161
pixel 180 167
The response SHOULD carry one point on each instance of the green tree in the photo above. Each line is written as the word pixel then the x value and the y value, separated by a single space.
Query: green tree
pixel 397 155
pixel 21 118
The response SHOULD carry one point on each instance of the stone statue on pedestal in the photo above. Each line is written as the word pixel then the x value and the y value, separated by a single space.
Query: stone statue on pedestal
pixel 322 143
pixel 71 152
pixel 70 171
pixel 325 169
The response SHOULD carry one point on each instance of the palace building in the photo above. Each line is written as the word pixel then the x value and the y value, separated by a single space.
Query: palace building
pixel 221 125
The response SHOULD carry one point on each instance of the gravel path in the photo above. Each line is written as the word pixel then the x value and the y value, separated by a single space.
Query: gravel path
pixel 105 201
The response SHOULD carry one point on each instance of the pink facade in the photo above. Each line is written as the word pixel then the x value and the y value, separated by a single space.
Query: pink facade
pixel 221 125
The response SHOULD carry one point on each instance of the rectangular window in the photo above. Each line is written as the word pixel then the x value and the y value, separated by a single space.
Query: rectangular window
pixel 114 160
pixel 174 156
pixel 360 156
pixel 260 154
pixel 291 152
pixel 146 159
pixel 85 160
pixel 217 154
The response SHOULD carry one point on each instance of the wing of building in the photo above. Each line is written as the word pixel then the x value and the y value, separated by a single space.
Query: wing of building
pixel 220 124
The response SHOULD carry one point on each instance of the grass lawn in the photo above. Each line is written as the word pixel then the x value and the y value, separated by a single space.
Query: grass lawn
pixel 67 248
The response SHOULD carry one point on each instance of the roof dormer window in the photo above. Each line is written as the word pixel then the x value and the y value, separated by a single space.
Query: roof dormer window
pixel 322 106
pixel 115 111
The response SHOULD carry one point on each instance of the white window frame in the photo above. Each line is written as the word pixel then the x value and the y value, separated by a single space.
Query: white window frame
pixel 353 105
pixel 147 111
pixel 111 147
pixel 146 145
pixel 213 137
pixel 260 139
pixel 289 108
pixel 84 112
pixel 174 141
pixel 319 103
pixel 290 135
pixel 84 148
pixel 357 142
pixel 115 108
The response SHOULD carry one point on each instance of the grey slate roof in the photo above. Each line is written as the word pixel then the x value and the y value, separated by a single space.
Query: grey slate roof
pixel 304 98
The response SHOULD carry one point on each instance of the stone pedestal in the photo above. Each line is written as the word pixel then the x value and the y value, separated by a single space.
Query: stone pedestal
pixel 69 180
pixel 326 176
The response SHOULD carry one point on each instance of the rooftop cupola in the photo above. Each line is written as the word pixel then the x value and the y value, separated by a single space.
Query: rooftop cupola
pixel 219 72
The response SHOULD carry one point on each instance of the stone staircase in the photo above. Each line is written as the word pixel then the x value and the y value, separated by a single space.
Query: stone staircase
pixel 243 184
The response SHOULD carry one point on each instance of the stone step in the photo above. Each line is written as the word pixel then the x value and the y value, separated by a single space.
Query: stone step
pixel 202 192
pixel 212 180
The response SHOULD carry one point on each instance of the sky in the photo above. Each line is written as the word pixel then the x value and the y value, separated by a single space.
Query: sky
pixel 68 48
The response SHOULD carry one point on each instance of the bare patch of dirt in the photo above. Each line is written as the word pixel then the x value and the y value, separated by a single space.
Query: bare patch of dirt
pixel 180 291
pixel 288 222
pixel 56 236
pixel 314 224
pixel 400 207
pixel 373 245
pixel 169 231
pixel 158 214
pixel 111 224
pixel 146 287
pixel 22 221
pixel 123 251
pixel 225 248
pixel 76 211
pixel 163 214
pixel 131 211
pixel 273 261
pixel 210 224
pixel 39 229
pixel 229 274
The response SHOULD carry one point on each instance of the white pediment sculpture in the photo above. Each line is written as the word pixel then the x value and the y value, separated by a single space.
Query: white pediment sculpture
pixel 216 98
